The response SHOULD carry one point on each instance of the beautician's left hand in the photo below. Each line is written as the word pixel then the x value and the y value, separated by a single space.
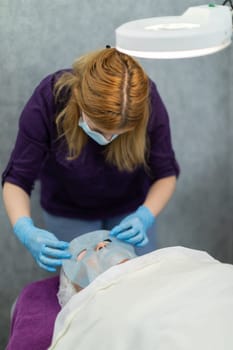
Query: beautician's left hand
pixel 133 228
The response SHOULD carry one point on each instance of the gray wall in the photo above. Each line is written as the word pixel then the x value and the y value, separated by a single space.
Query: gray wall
pixel 39 37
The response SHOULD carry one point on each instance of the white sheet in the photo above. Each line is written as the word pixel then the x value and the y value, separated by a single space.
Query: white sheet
pixel 172 299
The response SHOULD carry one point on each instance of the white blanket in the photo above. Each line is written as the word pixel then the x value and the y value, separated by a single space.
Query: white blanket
pixel 172 299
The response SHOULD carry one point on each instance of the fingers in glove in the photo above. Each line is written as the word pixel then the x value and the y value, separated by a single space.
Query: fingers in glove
pixel 49 261
pixel 120 228
pixel 143 242
pixel 56 244
pixel 55 253
pixel 136 239
pixel 132 232
pixel 46 267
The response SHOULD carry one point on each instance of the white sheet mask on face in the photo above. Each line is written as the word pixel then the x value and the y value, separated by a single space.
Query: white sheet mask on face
pixel 87 262
pixel 96 136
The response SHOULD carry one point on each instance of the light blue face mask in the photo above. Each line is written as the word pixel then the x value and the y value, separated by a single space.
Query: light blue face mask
pixel 94 262
pixel 96 136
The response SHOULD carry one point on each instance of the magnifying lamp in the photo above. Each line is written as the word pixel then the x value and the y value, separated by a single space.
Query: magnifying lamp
pixel 201 30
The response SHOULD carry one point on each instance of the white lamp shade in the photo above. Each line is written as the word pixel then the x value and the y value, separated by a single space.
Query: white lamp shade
pixel 201 30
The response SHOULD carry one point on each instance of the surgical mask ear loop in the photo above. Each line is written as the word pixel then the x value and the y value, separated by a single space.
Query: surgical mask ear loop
pixel 96 136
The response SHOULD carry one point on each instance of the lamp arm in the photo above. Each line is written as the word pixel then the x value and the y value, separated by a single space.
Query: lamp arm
pixel 230 2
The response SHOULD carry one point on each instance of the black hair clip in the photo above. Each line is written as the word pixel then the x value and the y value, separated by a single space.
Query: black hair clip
pixel 108 47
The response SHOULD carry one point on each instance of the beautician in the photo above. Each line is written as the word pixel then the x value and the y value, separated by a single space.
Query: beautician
pixel 97 138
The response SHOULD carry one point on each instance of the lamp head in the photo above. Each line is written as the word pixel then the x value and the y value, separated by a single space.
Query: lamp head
pixel 200 30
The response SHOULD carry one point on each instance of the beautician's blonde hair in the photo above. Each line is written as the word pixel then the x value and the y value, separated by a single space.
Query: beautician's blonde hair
pixel 112 89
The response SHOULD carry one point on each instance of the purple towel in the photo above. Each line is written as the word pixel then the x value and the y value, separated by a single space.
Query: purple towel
pixel 34 316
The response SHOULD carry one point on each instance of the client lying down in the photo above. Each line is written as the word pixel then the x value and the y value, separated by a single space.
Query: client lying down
pixel 172 298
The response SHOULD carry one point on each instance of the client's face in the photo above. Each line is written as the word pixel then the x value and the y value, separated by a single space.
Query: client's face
pixel 92 254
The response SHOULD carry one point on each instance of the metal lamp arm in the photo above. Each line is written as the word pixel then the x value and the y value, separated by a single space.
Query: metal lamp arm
pixel 230 2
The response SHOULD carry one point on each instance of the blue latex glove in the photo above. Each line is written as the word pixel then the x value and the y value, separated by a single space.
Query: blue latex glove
pixel 133 228
pixel 46 249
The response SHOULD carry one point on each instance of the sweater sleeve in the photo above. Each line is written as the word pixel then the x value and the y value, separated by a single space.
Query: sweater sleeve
pixel 161 159
pixel 33 138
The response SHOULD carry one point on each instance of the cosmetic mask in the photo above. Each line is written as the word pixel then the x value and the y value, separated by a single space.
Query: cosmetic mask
pixel 94 262
pixel 96 136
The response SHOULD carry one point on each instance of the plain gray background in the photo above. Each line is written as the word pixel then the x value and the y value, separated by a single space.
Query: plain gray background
pixel 39 37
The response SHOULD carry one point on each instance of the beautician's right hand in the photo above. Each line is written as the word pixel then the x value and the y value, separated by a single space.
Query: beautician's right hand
pixel 46 249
